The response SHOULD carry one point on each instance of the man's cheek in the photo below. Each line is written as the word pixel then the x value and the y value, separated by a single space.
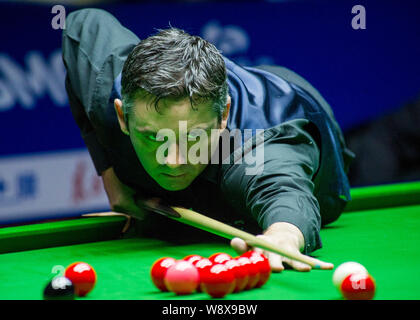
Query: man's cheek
pixel 145 153
pixel 141 146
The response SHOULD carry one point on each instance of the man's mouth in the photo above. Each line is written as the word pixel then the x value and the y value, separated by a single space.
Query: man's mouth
pixel 171 175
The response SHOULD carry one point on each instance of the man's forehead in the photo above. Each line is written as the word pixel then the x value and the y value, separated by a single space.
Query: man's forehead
pixel 171 111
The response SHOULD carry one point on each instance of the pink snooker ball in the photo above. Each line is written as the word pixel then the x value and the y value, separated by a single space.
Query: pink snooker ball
pixel 182 278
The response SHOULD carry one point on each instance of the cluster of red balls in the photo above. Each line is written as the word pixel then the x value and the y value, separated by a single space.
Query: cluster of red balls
pixel 218 275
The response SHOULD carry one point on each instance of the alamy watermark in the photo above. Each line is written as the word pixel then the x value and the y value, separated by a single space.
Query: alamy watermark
pixel 359 20
pixel 199 147
pixel 59 20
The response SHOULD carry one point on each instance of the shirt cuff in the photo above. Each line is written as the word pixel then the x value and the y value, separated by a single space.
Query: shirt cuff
pixel 312 241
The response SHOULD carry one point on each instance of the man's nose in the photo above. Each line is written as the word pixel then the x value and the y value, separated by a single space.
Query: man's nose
pixel 175 157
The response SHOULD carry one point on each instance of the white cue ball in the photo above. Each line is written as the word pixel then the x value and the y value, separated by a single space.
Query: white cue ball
pixel 345 269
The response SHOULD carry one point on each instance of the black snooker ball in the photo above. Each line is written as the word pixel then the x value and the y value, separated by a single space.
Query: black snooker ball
pixel 59 288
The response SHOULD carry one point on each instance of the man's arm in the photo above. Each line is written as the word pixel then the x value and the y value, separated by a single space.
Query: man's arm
pixel 96 150
pixel 281 199
pixel 120 196
pixel 94 47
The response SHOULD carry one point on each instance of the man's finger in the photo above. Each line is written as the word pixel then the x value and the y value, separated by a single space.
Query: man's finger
pixel 275 260
pixel 127 225
pixel 103 214
pixel 298 266
pixel 110 214
pixel 322 265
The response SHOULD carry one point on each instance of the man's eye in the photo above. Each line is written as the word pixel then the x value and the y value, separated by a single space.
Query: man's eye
pixel 192 135
pixel 151 136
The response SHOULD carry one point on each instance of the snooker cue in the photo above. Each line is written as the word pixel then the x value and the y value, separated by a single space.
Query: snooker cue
pixel 208 224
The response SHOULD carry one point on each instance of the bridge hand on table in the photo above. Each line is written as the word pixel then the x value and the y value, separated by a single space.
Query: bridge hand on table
pixel 286 236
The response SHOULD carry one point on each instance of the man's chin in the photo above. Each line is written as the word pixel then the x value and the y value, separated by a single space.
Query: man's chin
pixel 174 186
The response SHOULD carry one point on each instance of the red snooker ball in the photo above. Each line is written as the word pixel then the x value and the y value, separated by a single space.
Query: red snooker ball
pixel 264 267
pixel 220 257
pixel 201 266
pixel 193 258
pixel 240 272
pixel 248 254
pixel 358 286
pixel 182 278
pixel 253 272
pixel 217 281
pixel 83 277
pixel 158 271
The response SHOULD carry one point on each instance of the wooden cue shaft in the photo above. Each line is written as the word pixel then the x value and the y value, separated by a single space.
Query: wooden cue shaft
pixel 203 222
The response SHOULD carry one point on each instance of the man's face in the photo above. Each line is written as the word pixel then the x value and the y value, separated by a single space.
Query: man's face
pixel 176 172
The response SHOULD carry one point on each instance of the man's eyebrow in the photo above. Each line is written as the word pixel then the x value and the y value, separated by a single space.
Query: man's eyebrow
pixel 204 126
pixel 148 129
pixel 145 129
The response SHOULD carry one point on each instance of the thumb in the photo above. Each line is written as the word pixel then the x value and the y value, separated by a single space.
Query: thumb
pixel 239 245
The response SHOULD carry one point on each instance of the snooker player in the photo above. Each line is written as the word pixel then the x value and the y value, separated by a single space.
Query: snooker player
pixel 124 91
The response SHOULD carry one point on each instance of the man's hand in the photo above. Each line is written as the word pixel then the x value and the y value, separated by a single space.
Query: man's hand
pixel 120 197
pixel 284 235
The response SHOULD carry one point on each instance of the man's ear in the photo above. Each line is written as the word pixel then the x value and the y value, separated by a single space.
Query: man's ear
pixel 225 114
pixel 120 115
